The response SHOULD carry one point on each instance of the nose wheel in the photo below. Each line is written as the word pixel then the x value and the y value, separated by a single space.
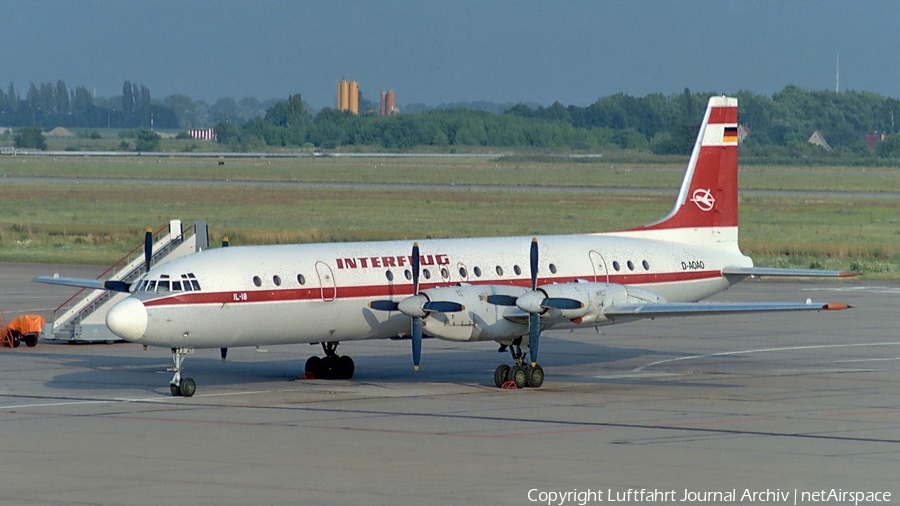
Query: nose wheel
pixel 181 387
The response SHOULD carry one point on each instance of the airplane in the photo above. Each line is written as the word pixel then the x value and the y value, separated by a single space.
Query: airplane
pixel 503 289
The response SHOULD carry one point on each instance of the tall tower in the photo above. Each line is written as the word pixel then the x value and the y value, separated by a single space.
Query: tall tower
pixel 837 75
pixel 348 96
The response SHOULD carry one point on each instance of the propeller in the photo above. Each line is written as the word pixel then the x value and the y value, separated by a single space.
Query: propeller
pixel 416 330
pixel 148 248
pixel 535 303
pixel 416 306
pixel 224 351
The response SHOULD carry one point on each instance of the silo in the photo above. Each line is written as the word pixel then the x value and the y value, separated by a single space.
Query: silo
pixel 354 97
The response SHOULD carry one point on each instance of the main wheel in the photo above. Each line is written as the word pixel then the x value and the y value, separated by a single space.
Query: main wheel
pixel 501 374
pixel 345 368
pixel 188 387
pixel 174 389
pixel 535 376
pixel 312 364
pixel 518 376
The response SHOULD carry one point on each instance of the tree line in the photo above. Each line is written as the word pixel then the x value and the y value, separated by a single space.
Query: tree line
pixel 49 105
pixel 778 126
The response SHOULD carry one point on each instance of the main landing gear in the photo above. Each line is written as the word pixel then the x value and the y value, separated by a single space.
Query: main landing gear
pixel 331 366
pixel 181 387
pixel 522 374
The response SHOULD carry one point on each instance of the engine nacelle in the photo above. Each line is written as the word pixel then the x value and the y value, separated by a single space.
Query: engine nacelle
pixel 480 321
pixel 595 297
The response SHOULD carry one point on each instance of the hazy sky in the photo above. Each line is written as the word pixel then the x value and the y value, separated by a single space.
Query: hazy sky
pixel 447 51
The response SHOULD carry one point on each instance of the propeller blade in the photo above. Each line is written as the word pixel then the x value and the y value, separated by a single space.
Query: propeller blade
pixel 416 341
pixel 148 248
pixel 441 306
pixel 223 352
pixel 562 303
pixel 534 336
pixel 501 300
pixel 384 305
pixel 534 263
pixel 415 268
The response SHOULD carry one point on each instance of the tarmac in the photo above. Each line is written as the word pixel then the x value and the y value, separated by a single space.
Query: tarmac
pixel 797 408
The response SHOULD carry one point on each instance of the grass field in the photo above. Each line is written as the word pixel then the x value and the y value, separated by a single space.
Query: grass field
pixel 69 221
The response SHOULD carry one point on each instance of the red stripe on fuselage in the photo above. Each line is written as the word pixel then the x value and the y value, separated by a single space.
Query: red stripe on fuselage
pixel 387 291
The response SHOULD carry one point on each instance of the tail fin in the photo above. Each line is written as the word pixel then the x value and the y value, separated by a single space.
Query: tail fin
pixel 709 196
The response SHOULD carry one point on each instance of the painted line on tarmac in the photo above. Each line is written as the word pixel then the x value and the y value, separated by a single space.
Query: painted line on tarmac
pixel 761 350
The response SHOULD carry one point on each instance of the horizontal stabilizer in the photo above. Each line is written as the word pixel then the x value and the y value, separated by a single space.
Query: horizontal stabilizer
pixel 795 273
pixel 642 311
pixel 96 284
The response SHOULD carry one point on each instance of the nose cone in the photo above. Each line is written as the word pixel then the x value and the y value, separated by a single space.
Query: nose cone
pixel 127 319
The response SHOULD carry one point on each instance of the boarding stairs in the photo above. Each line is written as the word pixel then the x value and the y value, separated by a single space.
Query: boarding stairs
pixel 82 318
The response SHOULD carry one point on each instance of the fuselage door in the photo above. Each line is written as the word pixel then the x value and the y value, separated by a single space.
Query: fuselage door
pixel 326 281
pixel 601 273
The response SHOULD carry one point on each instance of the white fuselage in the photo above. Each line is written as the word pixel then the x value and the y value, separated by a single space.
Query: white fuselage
pixel 264 295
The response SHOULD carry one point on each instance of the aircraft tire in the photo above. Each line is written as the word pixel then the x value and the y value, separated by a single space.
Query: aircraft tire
pixel 173 388
pixel 535 376
pixel 188 387
pixel 501 374
pixel 518 376
pixel 30 340
pixel 312 365
pixel 345 367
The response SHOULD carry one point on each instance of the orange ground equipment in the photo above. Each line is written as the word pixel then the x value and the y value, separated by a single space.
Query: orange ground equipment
pixel 24 328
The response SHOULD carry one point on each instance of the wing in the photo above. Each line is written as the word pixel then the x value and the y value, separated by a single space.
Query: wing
pixel 665 310
pixel 97 284
pixel 795 273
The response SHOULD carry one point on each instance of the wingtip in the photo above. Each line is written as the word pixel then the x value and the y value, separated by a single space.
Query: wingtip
pixel 415 368
pixel 836 306
pixel 849 274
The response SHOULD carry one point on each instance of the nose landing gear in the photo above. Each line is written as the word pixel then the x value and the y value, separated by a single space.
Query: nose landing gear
pixel 181 387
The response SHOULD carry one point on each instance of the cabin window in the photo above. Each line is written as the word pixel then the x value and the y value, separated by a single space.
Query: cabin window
pixel 646 265
pixel 462 272
pixel 301 279
pixel 499 270
pixel 517 270
pixel 553 268
pixel 616 266
pixel 277 280
pixel 257 281
pixel 390 275
pixel 477 271
pixel 426 273
pixel 630 265
pixel 176 286
pixel 445 273
pixel 407 274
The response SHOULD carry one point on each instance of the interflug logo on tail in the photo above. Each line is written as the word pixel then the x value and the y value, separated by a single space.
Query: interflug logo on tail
pixel 704 199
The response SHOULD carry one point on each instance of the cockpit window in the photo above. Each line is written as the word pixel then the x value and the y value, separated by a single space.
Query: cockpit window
pixel 163 285
pixel 176 286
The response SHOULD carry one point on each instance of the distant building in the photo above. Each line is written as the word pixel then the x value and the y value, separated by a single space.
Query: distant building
pixel 389 103
pixel 348 96
pixel 817 139
pixel 203 134
pixel 874 138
